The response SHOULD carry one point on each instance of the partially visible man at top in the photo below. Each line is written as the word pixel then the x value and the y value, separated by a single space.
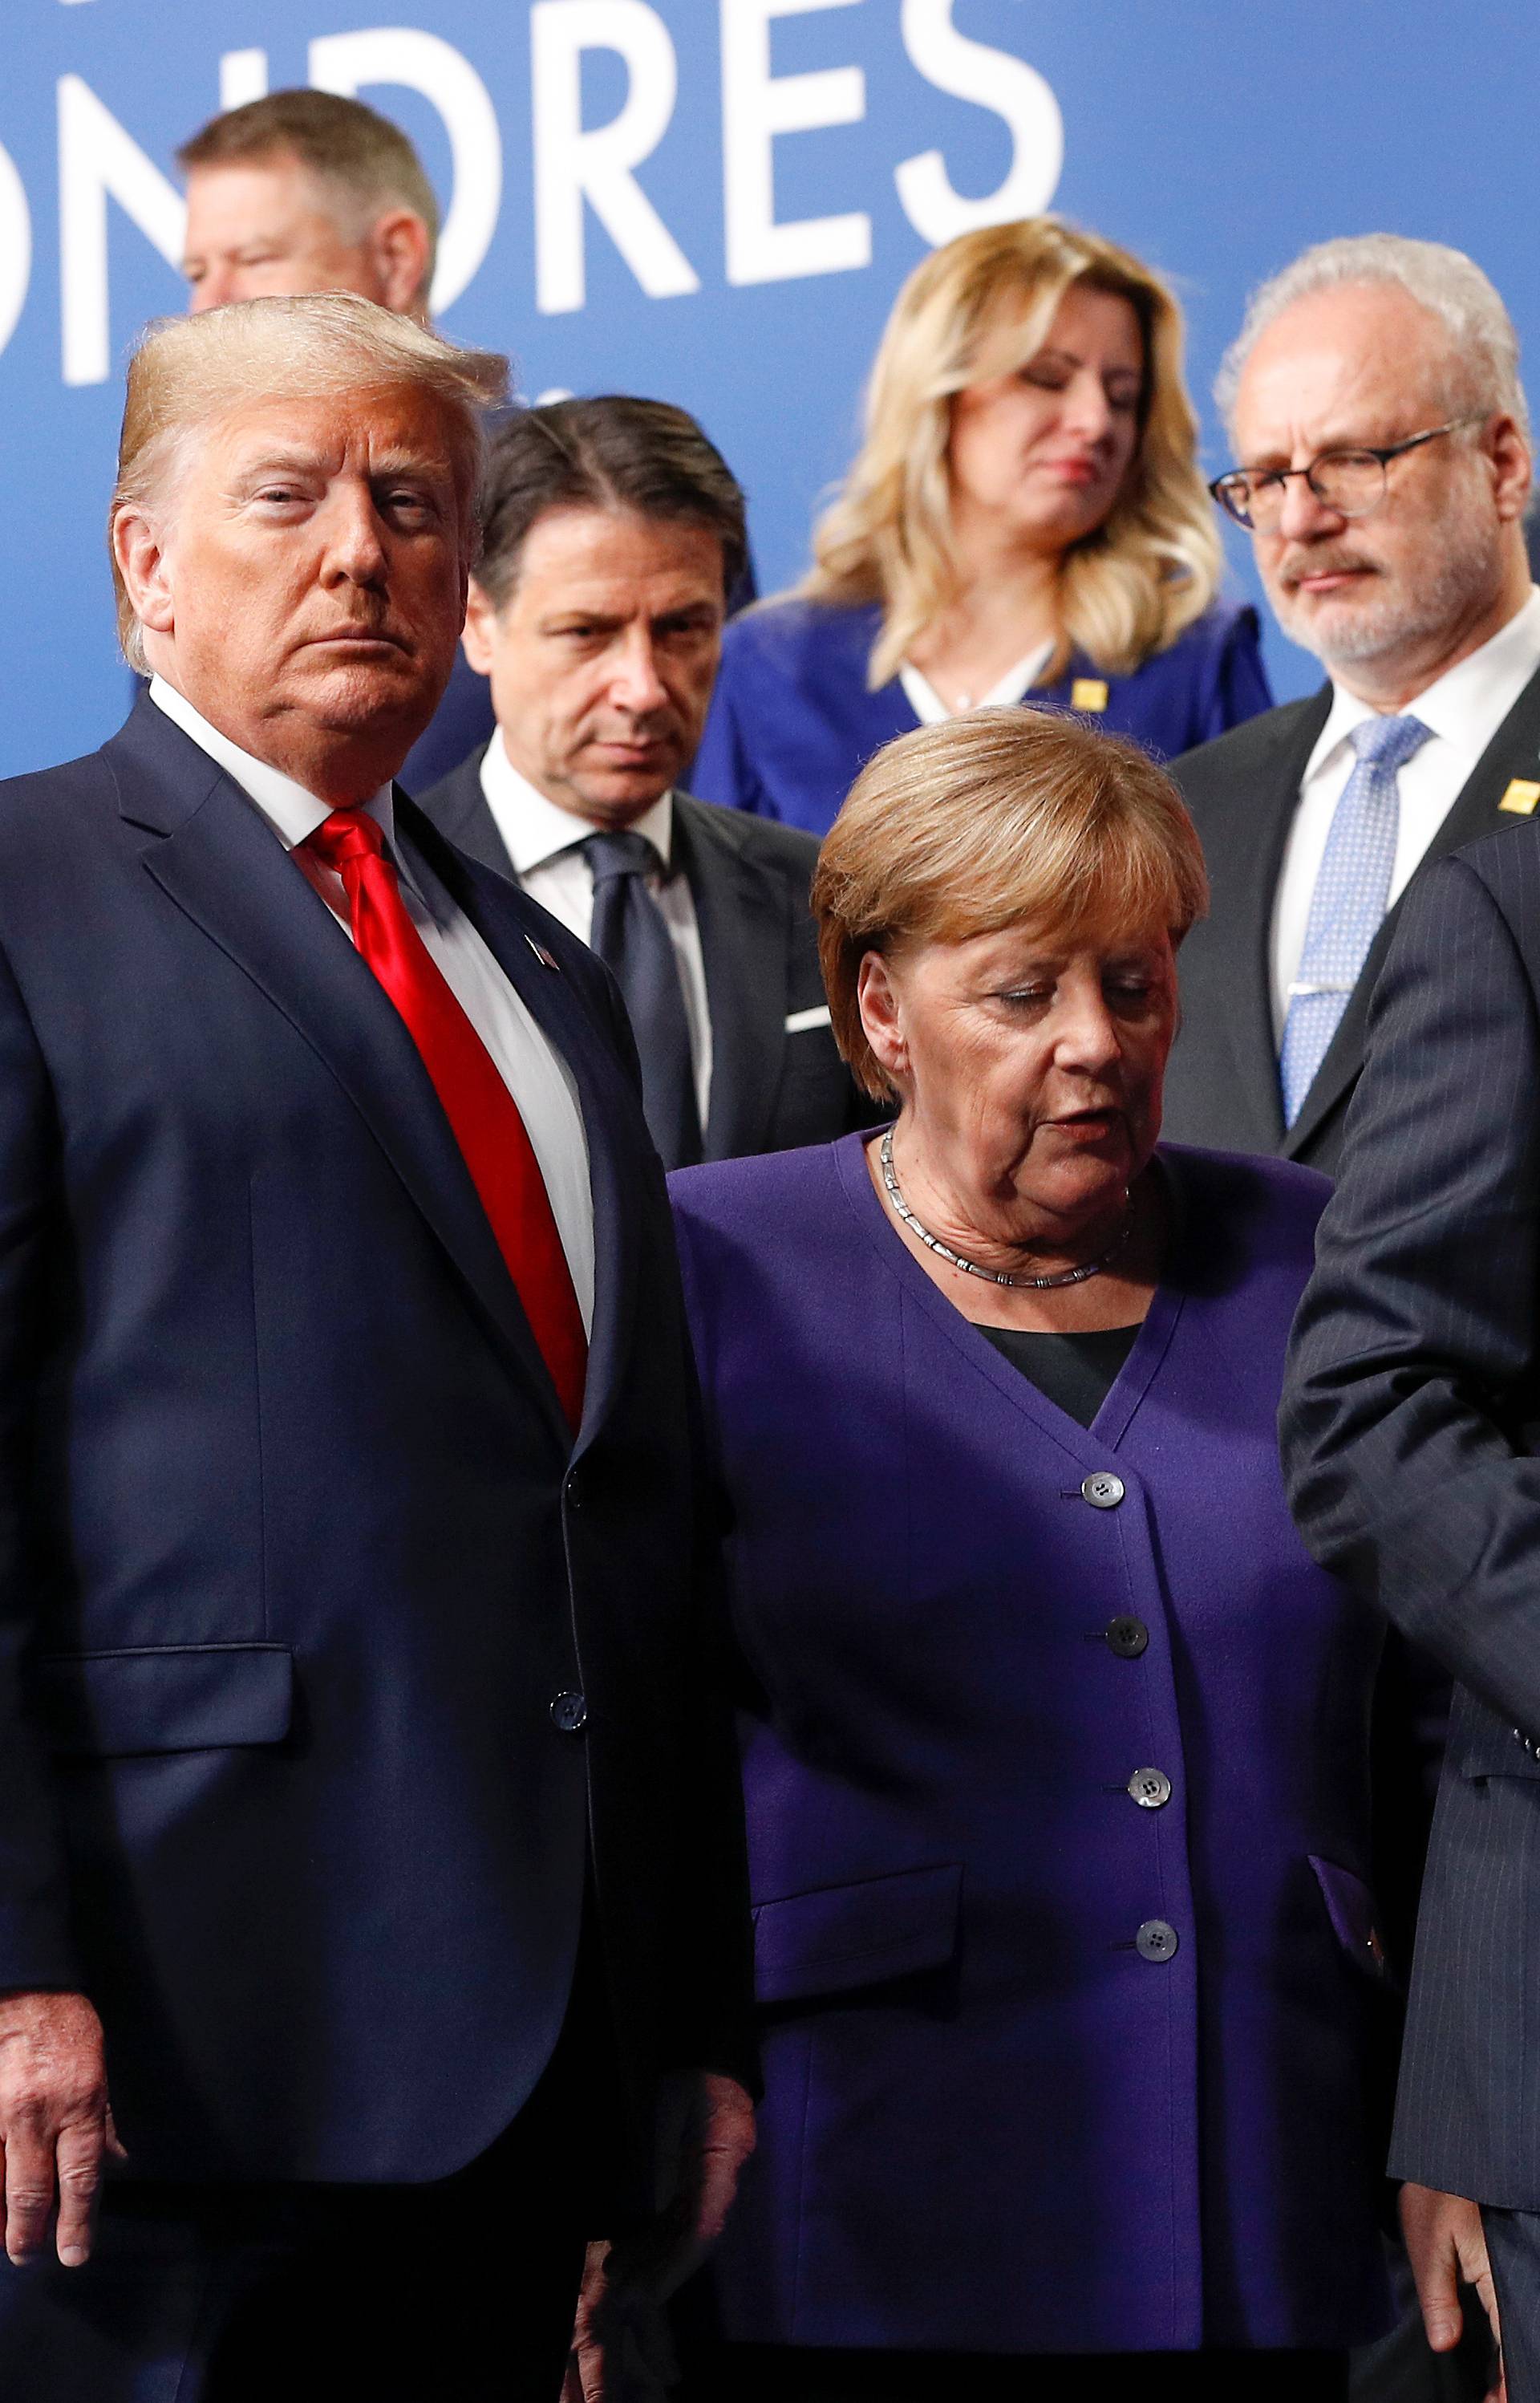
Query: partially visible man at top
pixel 1384 448
pixel 612 535
pixel 369 1829
pixel 307 191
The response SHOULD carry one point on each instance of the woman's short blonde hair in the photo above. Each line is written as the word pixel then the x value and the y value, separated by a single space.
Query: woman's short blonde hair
pixel 187 371
pixel 1005 818
pixel 981 307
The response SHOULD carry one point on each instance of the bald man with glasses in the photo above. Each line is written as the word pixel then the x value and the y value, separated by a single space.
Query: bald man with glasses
pixel 1374 404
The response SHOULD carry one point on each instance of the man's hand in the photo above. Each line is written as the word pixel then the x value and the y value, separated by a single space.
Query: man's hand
pixel 55 2122
pixel 1446 2242
pixel 620 2347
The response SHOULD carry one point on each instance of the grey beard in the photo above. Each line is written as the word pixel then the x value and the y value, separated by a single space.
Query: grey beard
pixel 1394 621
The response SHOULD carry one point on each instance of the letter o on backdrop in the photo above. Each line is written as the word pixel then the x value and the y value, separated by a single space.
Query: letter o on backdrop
pixel 15 247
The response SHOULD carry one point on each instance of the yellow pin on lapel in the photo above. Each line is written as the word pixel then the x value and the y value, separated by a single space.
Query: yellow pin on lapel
pixel 1520 798
pixel 1089 693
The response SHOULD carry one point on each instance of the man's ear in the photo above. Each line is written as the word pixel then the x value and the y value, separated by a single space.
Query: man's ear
pixel 1509 453
pixel 400 245
pixel 143 565
pixel 479 638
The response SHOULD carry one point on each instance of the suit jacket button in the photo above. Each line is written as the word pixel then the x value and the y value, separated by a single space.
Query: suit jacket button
pixel 1151 1788
pixel 1156 1940
pixel 570 1712
pixel 574 1490
pixel 1102 1491
pixel 1128 1638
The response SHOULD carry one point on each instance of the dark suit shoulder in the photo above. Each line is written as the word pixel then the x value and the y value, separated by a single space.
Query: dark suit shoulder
pixel 1219 770
pixel 1279 1196
pixel 448 801
pixel 787 851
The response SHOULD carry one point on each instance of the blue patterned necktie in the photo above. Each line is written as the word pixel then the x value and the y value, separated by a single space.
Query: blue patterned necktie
pixel 1348 900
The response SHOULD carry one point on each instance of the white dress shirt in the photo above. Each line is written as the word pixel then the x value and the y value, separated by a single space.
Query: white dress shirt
pixel 931 710
pixel 544 845
pixel 1463 710
pixel 534 1071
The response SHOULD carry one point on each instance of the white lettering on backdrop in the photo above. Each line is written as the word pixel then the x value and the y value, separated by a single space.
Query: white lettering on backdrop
pixel 757 105
pixel 579 170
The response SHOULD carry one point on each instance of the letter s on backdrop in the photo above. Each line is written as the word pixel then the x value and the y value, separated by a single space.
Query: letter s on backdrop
pixel 992 80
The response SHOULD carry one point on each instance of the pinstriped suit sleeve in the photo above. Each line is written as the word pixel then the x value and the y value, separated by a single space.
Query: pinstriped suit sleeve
pixel 1412 1369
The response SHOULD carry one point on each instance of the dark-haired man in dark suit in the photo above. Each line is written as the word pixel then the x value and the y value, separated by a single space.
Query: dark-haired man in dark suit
pixel 613 534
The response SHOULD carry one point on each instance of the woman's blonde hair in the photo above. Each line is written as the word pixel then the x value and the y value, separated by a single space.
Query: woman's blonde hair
pixel 982 306
pixel 1003 817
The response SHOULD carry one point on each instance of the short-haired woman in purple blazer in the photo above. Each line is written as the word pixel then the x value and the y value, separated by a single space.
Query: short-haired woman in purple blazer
pixel 1054 1742
pixel 1026 520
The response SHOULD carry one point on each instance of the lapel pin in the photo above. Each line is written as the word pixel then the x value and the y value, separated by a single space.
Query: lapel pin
pixel 1520 798
pixel 1088 693
pixel 547 962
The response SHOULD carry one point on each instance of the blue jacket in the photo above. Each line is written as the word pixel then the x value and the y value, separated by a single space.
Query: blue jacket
pixel 296 1551
pixel 792 723
pixel 992 2122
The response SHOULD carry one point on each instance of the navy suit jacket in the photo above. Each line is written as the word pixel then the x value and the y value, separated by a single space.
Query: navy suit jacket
pixel 296 1551
pixel 771 1087
pixel 793 723
pixel 1411 1429
pixel 1222 1083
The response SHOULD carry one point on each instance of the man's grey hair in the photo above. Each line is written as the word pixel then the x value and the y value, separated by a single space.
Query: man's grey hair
pixel 186 372
pixel 1450 286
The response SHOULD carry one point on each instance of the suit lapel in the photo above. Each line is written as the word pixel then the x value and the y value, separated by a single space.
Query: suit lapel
pixel 1513 751
pixel 1279 775
pixel 219 862
pixel 742 916
pixel 619 1156
pixel 460 810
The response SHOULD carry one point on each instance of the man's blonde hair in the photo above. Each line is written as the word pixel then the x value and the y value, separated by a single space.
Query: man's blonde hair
pixel 1003 817
pixel 186 372
pixel 979 307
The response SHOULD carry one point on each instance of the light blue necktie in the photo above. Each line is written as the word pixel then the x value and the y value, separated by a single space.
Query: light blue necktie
pixel 1348 900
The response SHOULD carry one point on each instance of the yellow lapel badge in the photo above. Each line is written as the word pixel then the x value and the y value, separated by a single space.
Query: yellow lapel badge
pixel 1520 798
pixel 1090 693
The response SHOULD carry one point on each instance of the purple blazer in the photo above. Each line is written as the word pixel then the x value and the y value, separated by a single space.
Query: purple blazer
pixel 792 723
pixel 1046 2068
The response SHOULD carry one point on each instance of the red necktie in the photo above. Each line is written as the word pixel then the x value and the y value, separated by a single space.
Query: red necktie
pixel 481 1109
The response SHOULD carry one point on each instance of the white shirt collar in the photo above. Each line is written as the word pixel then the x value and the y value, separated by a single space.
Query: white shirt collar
pixel 290 811
pixel 533 829
pixel 1466 704
pixel 931 710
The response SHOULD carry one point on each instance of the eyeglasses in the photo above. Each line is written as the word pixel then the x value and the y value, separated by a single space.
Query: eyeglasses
pixel 1352 482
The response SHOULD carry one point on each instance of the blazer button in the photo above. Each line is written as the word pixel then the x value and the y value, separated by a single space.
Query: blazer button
pixel 1151 1788
pixel 1156 1940
pixel 1128 1638
pixel 570 1712
pixel 1102 1491
pixel 574 1490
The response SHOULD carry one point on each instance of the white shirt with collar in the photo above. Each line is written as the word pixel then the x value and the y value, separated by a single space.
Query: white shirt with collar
pixel 931 710
pixel 544 845
pixel 1463 710
pixel 542 1085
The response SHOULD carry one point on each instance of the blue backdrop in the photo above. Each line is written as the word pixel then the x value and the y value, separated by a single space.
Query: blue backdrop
pixel 712 201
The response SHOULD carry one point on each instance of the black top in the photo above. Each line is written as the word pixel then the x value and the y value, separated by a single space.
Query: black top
pixel 1074 1372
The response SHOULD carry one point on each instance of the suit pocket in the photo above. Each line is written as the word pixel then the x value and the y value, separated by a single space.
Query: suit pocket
pixel 1492 1750
pixel 841 1937
pixel 165 1698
